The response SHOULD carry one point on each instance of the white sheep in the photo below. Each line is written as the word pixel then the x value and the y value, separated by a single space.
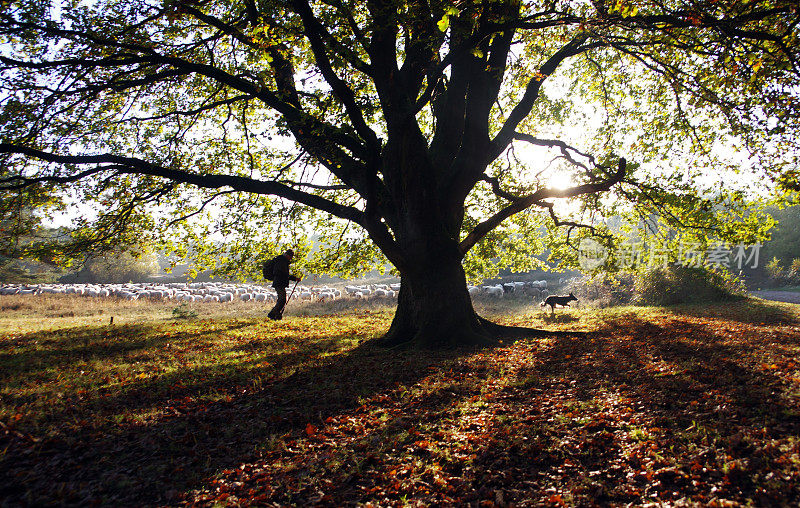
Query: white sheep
pixel 327 296
pixel 494 291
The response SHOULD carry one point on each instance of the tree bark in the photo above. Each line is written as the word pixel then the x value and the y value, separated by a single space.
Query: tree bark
pixel 434 309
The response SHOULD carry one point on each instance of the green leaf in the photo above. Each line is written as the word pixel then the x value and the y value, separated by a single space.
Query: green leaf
pixel 443 23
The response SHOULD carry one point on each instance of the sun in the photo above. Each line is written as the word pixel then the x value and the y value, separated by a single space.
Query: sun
pixel 559 179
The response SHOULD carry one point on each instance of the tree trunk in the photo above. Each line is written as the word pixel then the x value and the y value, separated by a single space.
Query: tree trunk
pixel 426 213
pixel 434 308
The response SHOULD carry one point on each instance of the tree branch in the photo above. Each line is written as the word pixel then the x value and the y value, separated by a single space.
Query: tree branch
pixel 316 33
pixel 555 143
pixel 537 198
pixel 558 222
pixel 137 166
pixel 495 183
pixel 202 207
pixel 525 105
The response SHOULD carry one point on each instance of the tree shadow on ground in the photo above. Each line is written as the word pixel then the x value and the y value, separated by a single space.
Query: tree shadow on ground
pixel 674 411
pixel 638 412
pixel 659 411
pixel 746 311
pixel 188 438
pixel 551 318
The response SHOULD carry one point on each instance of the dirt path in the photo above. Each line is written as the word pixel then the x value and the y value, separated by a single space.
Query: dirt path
pixel 778 296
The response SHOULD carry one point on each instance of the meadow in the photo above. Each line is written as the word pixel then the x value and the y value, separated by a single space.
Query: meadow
pixel 214 405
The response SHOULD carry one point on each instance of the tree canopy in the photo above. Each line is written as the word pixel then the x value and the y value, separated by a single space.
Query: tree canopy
pixel 429 134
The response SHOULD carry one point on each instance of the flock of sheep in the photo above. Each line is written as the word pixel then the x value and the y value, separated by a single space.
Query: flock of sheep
pixel 182 292
pixel 227 292
pixel 199 291
pixel 536 289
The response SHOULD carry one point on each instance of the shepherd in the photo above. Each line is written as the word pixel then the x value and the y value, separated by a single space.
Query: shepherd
pixel 280 281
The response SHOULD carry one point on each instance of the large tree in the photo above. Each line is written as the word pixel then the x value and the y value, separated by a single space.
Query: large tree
pixel 405 118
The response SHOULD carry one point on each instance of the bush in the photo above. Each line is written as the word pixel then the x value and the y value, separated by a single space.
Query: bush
pixel 115 268
pixel 780 276
pixel 604 289
pixel 681 284
pixel 794 269
pixel 25 271
pixel 183 311
pixel 774 268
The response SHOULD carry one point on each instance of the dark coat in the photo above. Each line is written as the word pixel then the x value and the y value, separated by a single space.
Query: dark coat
pixel 281 272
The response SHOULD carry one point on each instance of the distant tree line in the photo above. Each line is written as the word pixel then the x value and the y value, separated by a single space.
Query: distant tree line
pixel 784 244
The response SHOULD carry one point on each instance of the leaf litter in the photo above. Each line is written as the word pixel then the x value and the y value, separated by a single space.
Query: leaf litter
pixel 655 407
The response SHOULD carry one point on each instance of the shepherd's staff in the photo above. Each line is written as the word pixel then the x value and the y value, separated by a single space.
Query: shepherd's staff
pixel 290 297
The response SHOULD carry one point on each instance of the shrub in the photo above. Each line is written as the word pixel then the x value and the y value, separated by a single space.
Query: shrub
pixel 774 268
pixel 681 284
pixel 603 289
pixel 183 311
pixel 779 276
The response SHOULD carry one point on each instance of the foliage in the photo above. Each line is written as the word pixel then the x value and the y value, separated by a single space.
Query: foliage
pixel 117 266
pixel 183 311
pixel 673 284
pixel 658 285
pixel 774 268
pixel 783 277
pixel 784 242
pixel 251 126
pixel 672 407
pixel 18 271
pixel 21 217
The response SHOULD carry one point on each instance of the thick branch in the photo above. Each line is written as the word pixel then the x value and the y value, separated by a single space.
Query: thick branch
pixel 315 29
pixel 537 198
pixel 219 24
pixel 525 105
pixel 316 34
pixel 137 166
pixel 495 183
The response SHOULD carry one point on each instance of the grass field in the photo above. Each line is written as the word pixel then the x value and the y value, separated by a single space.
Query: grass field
pixel 215 405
